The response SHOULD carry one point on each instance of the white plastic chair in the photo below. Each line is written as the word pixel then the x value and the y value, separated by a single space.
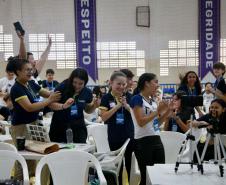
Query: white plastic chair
pixel 172 142
pixel 100 136
pixel 223 139
pixel 69 167
pixel 7 146
pixel 87 122
pixel 110 161
pixel 7 161
pixel 134 172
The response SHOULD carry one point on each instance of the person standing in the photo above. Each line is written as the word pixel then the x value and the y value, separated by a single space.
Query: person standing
pixel 115 112
pixel 148 145
pixel 68 112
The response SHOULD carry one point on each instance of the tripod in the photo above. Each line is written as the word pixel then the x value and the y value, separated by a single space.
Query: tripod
pixel 217 154
pixel 191 139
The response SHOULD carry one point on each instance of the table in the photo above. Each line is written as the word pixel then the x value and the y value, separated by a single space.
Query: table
pixel 28 155
pixel 5 138
pixel 163 174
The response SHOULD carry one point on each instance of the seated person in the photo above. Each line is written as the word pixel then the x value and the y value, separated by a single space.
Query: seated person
pixel 95 115
pixel 50 83
pixel 216 112
pixel 207 97
pixel 179 115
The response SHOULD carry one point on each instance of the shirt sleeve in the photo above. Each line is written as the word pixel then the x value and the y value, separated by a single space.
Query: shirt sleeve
pixel 222 86
pixel 17 93
pixel 136 101
pixel 204 118
pixel 44 84
pixel 89 96
pixel 35 87
pixel 60 87
pixel 104 104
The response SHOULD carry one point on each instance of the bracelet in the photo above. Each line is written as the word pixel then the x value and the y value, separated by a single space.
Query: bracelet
pixel 62 106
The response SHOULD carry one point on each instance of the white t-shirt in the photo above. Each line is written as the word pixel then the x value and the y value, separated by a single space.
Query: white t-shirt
pixel 148 129
pixel 6 84
pixel 207 99
pixel 5 87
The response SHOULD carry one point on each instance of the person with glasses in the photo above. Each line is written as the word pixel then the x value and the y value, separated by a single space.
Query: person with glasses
pixel 24 95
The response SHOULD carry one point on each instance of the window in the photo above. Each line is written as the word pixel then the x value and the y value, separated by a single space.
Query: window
pixel 223 51
pixel 6 45
pixel 179 53
pixel 63 52
pixel 120 55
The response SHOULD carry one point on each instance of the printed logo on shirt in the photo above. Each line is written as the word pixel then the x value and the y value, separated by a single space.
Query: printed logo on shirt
pixel 112 104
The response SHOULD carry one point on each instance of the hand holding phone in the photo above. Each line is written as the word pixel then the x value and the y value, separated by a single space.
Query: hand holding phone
pixel 20 31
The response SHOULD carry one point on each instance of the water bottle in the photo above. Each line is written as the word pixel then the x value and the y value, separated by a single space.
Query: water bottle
pixel 69 136
pixel 40 119
pixel 156 125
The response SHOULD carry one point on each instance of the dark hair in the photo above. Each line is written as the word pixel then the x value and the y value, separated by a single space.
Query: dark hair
pixel 10 65
pixel 76 73
pixel 50 71
pixel 29 53
pixel 17 64
pixel 145 77
pixel 97 91
pixel 179 94
pixel 207 83
pixel 197 83
pixel 219 65
pixel 7 97
pixel 116 74
pixel 219 101
pixel 127 72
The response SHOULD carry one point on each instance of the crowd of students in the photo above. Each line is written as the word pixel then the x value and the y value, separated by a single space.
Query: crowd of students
pixel 134 113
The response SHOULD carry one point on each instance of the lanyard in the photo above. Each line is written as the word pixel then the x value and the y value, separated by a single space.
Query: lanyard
pixel 48 84
pixel 33 94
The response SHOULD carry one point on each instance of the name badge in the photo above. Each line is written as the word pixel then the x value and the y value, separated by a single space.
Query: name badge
pixel 112 104
pixel 74 110
pixel 37 100
pixel 120 118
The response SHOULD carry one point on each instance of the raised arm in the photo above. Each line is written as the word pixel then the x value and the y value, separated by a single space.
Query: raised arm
pixel 22 50
pixel 41 62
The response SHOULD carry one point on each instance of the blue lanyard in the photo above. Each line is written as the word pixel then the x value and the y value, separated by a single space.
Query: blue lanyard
pixel 48 84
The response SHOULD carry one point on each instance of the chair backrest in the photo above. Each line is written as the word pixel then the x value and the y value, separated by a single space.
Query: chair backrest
pixel 100 136
pixel 134 172
pixel 172 142
pixel 7 146
pixel 223 139
pixel 115 158
pixel 69 167
pixel 7 161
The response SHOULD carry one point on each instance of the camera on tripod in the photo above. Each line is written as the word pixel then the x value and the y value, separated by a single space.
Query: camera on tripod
pixel 192 101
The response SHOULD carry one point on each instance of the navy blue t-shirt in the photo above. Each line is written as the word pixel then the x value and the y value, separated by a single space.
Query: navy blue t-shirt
pixel 184 116
pixel 65 116
pixel 50 85
pixel 18 92
pixel 188 92
pixel 118 133
pixel 221 125
pixel 221 85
